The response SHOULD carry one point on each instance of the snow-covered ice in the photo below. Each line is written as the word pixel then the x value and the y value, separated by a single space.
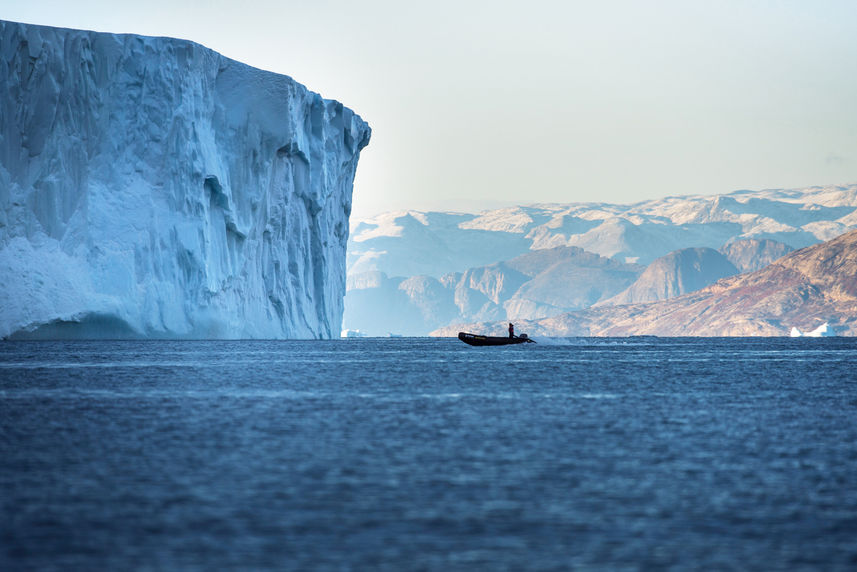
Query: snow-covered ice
pixel 822 331
pixel 152 187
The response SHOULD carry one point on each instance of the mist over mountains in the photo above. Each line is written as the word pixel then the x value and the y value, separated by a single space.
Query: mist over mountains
pixel 411 273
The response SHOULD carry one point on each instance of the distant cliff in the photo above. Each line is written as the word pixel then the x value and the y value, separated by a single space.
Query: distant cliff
pixel 751 254
pixel 675 274
pixel 803 289
pixel 150 187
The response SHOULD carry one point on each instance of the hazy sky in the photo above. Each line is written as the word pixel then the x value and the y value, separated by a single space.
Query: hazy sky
pixel 476 104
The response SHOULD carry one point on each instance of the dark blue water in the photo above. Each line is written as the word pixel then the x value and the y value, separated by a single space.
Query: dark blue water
pixel 429 454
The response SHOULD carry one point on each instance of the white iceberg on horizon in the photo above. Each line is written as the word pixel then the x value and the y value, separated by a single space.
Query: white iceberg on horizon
pixel 822 331
pixel 352 334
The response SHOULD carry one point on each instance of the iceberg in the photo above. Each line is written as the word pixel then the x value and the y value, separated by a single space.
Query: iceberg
pixel 822 331
pixel 151 187
pixel 352 334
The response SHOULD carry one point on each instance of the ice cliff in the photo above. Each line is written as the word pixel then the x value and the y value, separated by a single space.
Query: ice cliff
pixel 150 187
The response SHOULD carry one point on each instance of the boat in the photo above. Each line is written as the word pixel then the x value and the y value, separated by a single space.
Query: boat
pixel 477 340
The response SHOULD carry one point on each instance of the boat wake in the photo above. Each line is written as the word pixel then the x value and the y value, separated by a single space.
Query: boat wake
pixel 546 341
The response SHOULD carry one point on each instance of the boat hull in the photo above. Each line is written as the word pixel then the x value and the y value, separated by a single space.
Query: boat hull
pixel 477 340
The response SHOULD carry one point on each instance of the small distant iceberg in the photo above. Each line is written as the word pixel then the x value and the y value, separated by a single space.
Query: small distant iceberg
pixel 352 334
pixel 822 331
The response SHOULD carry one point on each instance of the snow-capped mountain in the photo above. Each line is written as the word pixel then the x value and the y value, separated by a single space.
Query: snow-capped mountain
pixel 152 187
pixel 411 243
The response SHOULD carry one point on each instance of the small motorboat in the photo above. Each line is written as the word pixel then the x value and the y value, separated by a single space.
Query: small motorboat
pixel 477 340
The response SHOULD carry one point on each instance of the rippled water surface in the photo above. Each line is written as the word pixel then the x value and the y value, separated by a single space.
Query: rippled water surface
pixel 429 454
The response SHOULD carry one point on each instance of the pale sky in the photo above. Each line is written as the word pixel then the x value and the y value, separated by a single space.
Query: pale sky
pixel 481 104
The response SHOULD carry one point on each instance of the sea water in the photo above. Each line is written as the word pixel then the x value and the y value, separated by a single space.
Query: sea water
pixel 411 454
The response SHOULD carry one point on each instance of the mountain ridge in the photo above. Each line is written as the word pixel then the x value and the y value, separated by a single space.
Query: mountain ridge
pixel 674 274
pixel 802 289
pixel 639 232
pixel 532 285
pixel 749 228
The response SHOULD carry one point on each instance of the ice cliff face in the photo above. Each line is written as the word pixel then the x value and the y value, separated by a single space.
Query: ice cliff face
pixel 152 187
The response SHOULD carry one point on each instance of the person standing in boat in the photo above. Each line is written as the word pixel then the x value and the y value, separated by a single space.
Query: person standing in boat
pixel 511 330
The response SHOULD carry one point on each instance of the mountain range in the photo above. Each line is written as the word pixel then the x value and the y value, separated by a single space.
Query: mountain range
pixel 411 272
pixel 804 289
